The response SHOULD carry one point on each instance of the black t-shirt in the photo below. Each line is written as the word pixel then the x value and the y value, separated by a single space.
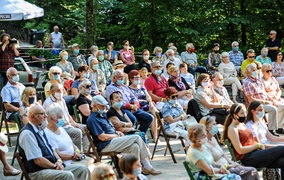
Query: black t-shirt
pixel 274 43
pixel 112 112
pixel 81 101
pixel 171 83
pixel 144 64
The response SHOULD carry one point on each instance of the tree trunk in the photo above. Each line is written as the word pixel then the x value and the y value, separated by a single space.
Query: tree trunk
pixel 89 23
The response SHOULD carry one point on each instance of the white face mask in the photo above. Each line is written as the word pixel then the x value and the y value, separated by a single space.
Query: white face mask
pixel 136 82
pixel 146 57
pixel 205 84
pixel 220 83
pixel 254 74
pixel 204 140
pixel 58 95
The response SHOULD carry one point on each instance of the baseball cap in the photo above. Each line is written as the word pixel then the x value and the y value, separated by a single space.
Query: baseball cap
pixel 98 99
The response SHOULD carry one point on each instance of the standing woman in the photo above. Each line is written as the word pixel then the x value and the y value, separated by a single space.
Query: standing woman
pixel 278 67
pixel 127 56
pixel 65 65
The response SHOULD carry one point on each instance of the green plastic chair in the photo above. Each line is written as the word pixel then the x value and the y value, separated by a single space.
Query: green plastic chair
pixel 76 114
pixel 188 170
pixel 228 143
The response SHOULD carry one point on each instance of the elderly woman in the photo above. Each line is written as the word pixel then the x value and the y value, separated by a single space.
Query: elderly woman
pixel 173 113
pixel 110 53
pixel 54 77
pixel 127 56
pixel 102 172
pixel 158 55
pixel 245 145
pixel 263 58
pixel 184 90
pixel 97 76
pixel 278 67
pixel 200 159
pixel 84 100
pixel 229 72
pixel 220 158
pixel 29 99
pixel 65 65
pixel 94 50
pixel 144 98
pixel 131 167
pixel 207 99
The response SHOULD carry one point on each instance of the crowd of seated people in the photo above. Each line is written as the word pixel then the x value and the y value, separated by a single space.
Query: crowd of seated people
pixel 133 94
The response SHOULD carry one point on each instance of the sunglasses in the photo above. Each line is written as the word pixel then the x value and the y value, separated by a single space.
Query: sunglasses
pixel 251 56
pixel 157 66
pixel 55 73
pixel 88 86
pixel 267 71
pixel 174 97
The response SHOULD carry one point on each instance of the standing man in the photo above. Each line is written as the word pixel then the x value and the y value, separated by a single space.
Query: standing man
pixel 57 38
pixel 8 52
pixel 273 44
pixel 37 65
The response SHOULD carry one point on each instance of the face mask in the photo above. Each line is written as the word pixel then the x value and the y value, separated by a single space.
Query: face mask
pixel 86 75
pixel 159 55
pixel 101 57
pixel 58 95
pixel 121 69
pixel 119 82
pixel 146 57
pixel 191 50
pixel 15 79
pixel 137 171
pixel 56 76
pixel 264 54
pixel 60 122
pixel 205 84
pixel 172 101
pixel 236 48
pixel 100 111
pixel 136 82
pixel 260 115
pixel 158 71
pixel 204 140
pixel 43 125
pixel 96 66
pixel 76 51
pixel 220 83
pixel 87 91
pixel 118 104
pixel 214 130
pixel 216 51
pixel 31 100
pixel 126 47
pixel 65 57
pixel 241 119
pixel 254 74
pixel 171 58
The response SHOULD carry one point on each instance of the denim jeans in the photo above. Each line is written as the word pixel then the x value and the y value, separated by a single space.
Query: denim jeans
pixel 145 119
pixel 270 158
pixel 200 69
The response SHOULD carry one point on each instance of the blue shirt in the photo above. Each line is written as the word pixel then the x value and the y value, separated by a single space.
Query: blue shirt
pixel 112 54
pixel 99 124
pixel 171 110
pixel 11 93
pixel 236 59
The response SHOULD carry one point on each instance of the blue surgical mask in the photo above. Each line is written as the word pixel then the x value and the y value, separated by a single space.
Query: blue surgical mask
pixel 100 111
pixel 254 74
pixel 76 51
pixel 159 54
pixel 172 101
pixel 118 104
pixel 264 54
pixel 56 76
pixel 137 171
pixel 214 130
pixel 60 122
pixel 158 71
pixel 236 48
pixel 136 82
pixel 86 75
pixel 120 82
pixel 260 115
pixel 15 79
pixel 65 57
pixel 96 66
pixel 101 57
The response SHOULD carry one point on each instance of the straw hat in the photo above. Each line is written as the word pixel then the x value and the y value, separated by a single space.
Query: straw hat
pixel 3 142
pixel 118 63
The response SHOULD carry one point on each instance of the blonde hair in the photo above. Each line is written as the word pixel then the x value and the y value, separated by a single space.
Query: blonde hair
pixel 26 93
pixel 265 66
pixel 53 69
pixel 157 49
pixel 207 120
pixel 61 53
pixel 194 131
pixel 172 69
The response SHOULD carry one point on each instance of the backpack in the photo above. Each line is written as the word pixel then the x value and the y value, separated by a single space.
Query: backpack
pixel 193 109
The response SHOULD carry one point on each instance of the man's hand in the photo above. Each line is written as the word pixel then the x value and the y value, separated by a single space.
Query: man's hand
pixel 58 166
pixel 75 125
pixel 120 134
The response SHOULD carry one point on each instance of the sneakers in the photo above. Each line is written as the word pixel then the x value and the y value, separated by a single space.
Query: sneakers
pixel 152 171
pixel 273 133
pixel 280 131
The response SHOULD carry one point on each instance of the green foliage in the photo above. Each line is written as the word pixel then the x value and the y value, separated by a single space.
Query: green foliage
pixel 43 53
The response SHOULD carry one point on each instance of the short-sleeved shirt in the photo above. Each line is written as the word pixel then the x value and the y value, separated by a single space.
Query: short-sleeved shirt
pixel 127 56
pixel 262 61
pixel 216 151
pixel 259 130
pixel 236 58
pixel 254 88
pixel 112 54
pixel 203 94
pixel 157 85
pixel 176 62
pixel 11 94
pixel 193 155
pixel 56 39
pixel 188 78
pixel 278 69
pixel 222 94
pixel 246 63
pixel 81 101
pixel 270 43
pixel 77 61
pixel 112 112
pixel 61 141
pixel 65 68
pixel 227 69
pixel 189 58
pixel 99 124
pixel 144 64
pixel 171 110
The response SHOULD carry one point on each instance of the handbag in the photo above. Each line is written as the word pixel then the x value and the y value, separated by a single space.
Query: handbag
pixel 219 111
pixel 189 121
pixel 177 128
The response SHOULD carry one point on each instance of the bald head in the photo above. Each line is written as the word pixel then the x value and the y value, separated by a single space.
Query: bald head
pixel 36 115
pixel 56 29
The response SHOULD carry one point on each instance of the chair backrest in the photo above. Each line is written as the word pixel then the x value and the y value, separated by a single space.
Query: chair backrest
pixel 193 109
pixel 92 150
pixel 76 114
pixel 228 143
pixel 161 124
pixel 24 172
pixel 188 170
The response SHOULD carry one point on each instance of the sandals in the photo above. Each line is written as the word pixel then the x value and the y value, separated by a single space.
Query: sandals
pixel 14 172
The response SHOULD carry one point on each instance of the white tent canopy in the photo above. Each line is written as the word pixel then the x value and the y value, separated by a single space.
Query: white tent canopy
pixel 13 10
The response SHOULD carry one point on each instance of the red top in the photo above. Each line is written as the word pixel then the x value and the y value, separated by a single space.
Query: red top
pixel 246 139
pixel 158 86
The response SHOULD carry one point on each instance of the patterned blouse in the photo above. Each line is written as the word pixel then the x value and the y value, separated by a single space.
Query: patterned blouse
pixel 278 69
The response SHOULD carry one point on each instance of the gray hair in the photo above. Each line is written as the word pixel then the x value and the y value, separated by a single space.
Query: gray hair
pixel 83 83
pixel 265 48
pixel 93 47
pixel 100 51
pixel 154 63
pixel 170 50
pixel 234 42
pixel 188 45
pixel 273 32
pixel 265 66
pixel 52 69
pixel 224 54
pixel 216 74
pixel 9 71
pixel 248 68
pixel 54 112
pixel 116 72
pixel 250 51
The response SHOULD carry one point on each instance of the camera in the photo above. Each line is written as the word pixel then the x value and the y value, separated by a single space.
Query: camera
pixel 82 156
pixel 12 41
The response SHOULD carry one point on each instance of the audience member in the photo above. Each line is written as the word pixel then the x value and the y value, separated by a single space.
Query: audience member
pixel 65 65
pixel 97 76
pixel 84 99
pixel 37 65
pixel 105 136
pixel 187 76
pixel 143 75
pixel 40 159
pixel 103 172
pixel 146 60
pixel 110 53
pixel 220 90
pixel 214 58
pixel 236 56
pixel 250 59
pixel 278 67
pixel 105 66
pixel 273 44
pixel 94 50
pixel 176 54
pixel 57 38
pixel 263 58
pixel 166 72
pixel 52 49
pixel 127 56
pixel 158 52
pixel 171 59
pixel 118 65
pixel 76 58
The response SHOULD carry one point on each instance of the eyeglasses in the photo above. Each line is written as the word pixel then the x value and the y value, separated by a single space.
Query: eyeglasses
pixel 40 113
pixel 267 71
pixel 136 77
pixel 157 67
pixel 251 56
pixel 55 73
pixel 174 97
pixel 88 86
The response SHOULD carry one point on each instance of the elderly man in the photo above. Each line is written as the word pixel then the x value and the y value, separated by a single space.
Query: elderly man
pixel 171 59
pixel 75 130
pixel 76 58
pixel 105 66
pixel 273 44
pixel 11 94
pixel 130 101
pixel 94 50
pixel 254 91
pixel 40 159
pixel 57 38
pixel 97 75
pixel 250 59
pixel 220 90
pixel 236 56
pixel 107 139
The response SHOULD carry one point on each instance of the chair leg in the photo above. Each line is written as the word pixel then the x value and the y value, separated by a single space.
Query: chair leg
pixel 156 143
pixel 170 149
pixel 13 159
pixel 2 118
pixel 183 145
pixel 115 161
